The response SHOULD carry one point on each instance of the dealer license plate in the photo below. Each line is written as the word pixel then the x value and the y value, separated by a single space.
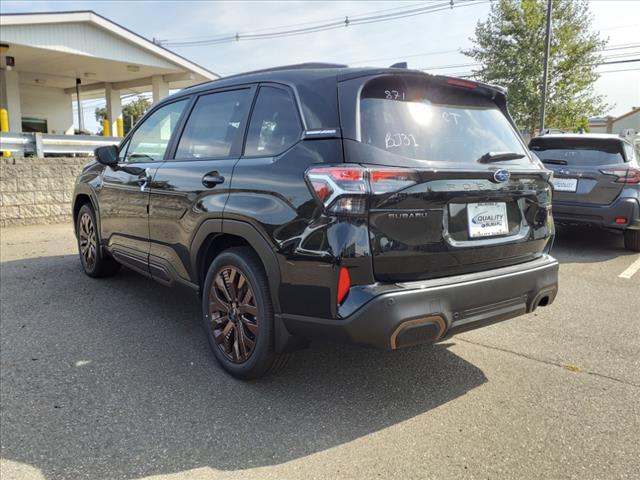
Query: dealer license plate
pixel 487 219
pixel 565 184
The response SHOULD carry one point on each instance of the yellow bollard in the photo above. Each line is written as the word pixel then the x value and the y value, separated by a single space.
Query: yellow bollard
pixel 120 127
pixel 106 128
pixel 4 126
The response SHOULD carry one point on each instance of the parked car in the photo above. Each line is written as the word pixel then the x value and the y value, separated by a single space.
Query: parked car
pixel 385 207
pixel 596 181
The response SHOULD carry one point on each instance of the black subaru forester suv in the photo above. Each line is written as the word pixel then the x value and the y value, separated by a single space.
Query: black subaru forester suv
pixel 386 207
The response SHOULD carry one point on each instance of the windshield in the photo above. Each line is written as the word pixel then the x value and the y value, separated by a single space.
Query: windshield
pixel 416 119
pixel 578 151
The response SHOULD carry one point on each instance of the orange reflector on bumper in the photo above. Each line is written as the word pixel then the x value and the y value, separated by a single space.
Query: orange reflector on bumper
pixel 344 284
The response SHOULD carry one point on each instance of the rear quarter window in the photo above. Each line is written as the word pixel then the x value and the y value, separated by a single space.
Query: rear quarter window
pixel 275 123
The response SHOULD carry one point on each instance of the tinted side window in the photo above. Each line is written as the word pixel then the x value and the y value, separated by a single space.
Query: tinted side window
pixel 214 125
pixel 150 140
pixel 275 124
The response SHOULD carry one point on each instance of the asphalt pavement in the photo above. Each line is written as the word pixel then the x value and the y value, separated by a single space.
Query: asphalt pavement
pixel 113 379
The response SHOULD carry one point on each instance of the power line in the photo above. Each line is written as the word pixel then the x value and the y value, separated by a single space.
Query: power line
pixel 621 70
pixel 620 61
pixel 459 50
pixel 468 74
pixel 618 27
pixel 313 22
pixel 621 46
pixel 336 23
pixel 346 22
pixel 463 65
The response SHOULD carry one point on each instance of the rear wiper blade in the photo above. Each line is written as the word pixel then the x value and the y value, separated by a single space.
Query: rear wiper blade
pixel 490 157
pixel 554 161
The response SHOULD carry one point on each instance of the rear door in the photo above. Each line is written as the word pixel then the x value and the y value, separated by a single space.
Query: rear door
pixel 441 203
pixel 193 185
pixel 578 165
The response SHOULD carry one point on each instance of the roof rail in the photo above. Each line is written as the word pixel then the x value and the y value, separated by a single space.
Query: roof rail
pixel 295 66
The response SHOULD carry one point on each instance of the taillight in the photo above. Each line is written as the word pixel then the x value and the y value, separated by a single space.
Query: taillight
pixel 339 188
pixel 385 180
pixel 631 175
pixel 344 284
pixel 343 189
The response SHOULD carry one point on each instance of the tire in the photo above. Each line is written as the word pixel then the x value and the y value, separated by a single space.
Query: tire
pixel 94 262
pixel 632 240
pixel 238 315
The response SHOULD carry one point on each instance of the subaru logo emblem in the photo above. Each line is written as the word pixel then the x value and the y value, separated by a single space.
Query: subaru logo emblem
pixel 502 175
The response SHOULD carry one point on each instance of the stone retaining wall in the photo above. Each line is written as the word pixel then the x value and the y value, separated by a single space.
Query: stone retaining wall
pixel 37 190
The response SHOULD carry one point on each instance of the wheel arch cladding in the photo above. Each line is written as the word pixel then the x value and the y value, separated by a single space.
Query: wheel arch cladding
pixel 213 245
pixel 212 239
pixel 80 200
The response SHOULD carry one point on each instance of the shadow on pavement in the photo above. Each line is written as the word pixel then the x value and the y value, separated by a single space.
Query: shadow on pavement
pixel 114 379
pixel 587 244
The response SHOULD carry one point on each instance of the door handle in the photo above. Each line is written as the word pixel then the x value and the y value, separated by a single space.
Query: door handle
pixel 212 179
pixel 144 179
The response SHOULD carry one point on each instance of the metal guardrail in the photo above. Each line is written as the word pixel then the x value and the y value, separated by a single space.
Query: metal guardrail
pixel 39 144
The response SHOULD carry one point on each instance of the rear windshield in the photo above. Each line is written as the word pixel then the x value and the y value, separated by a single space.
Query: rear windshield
pixel 578 151
pixel 417 119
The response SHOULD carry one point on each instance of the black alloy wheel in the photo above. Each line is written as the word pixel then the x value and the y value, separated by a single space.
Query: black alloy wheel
pixel 238 315
pixel 234 314
pixel 95 262
pixel 87 241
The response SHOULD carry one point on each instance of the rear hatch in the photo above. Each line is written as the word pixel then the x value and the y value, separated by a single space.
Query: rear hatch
pixel 578 165
pixel 440 202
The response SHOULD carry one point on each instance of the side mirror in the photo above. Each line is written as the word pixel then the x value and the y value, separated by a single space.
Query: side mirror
pixel 107 155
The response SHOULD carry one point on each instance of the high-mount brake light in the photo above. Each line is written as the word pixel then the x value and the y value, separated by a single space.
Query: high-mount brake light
pixel 461 83
pixel 631 175
pixel 343 189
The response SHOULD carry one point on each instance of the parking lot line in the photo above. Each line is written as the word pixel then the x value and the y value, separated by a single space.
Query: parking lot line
pixel 629 272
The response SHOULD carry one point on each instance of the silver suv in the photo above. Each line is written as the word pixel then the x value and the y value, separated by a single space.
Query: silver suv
pixel 596 181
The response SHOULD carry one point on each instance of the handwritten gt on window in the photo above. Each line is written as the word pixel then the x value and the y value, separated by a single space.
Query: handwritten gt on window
pixel 450 117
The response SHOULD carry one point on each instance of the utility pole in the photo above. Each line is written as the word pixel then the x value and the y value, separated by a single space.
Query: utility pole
pixel 80 116
pixel 547 46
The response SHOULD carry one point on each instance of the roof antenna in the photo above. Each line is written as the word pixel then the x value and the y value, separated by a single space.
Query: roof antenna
pixel 399 65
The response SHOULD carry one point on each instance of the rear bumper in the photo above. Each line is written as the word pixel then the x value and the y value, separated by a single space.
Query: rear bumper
pixel 600 215
pixel 423 312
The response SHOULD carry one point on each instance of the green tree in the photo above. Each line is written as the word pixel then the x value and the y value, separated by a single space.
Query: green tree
pixel 509 46
pixel 131 112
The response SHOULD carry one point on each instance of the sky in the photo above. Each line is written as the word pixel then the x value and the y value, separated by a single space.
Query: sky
pixel 424 41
